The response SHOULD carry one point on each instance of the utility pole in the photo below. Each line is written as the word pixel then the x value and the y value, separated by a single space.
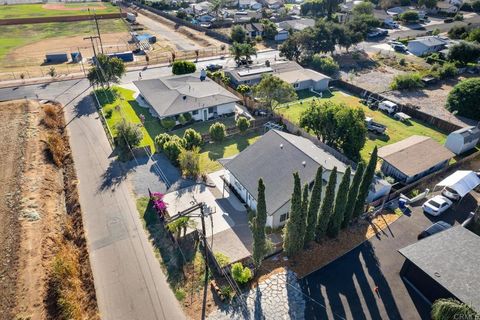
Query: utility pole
pixel 205 285
pixel 98 29
pixel 93 44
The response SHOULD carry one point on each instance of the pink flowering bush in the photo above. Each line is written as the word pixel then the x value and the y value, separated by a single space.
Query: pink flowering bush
pixel 158 203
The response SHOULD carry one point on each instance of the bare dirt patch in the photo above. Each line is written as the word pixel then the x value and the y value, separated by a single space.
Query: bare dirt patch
pixel 43 216
pixel 318 255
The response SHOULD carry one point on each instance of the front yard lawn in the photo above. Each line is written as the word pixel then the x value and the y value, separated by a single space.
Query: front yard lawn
pixel 396 130
pixel 123 105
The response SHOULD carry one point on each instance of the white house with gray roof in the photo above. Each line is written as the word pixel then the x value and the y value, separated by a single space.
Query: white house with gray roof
pixel 175 95
pixel 425 45
pixel 274 158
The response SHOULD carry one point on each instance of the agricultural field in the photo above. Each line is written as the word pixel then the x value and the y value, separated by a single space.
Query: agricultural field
pixel 27 44
pixel 396 130
pixel 14 11
pixel 124 106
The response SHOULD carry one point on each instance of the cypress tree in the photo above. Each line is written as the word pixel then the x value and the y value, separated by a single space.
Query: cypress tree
pixel 313 207
pixel 302 223
pixel 327 206
pixel 258 227
pixel 352 195
pixel 340 204
pixel 365 185
pixel 290 243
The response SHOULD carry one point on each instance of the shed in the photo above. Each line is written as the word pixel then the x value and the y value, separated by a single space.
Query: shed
pixel 462 181
pixel 462 140
pixel 445 265
pixel 58 57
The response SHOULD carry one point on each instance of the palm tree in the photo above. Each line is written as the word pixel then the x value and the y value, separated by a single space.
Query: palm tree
pixel 216 6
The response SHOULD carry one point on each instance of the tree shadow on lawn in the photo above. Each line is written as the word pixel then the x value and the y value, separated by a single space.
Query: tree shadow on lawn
pixel 382 137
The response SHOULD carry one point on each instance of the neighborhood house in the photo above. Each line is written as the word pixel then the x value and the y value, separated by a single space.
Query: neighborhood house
pixel 413 158
pixel 425 45
pixel 290 72
pixel 274 158
pixel 174 95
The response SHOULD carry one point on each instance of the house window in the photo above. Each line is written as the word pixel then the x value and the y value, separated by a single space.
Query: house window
pixel 194 112
pixel 212 109
pixel 295 85
pixel 284 217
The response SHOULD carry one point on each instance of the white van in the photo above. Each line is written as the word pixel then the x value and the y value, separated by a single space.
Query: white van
pixel 387 106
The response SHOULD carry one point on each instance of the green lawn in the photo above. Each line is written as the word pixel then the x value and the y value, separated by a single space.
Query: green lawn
pixel 12 37
pixel 36 10
pixel 209 154
pixel 396 130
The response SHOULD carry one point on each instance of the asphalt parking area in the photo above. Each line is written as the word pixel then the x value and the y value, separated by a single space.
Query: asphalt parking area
pixel 345 288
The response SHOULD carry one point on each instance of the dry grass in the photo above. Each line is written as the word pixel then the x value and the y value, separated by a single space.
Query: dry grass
pixel 66 285
pixel 52 119
pixel 56 148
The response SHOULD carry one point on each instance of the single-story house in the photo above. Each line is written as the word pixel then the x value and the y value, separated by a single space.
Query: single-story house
pixel 462 140
pixel 273 4
pixel 199 8
pixel 413 158
pixel 249 4
pixel 281 35
pixel 425 45
pixel 445 265
pixel 254 29
pixel 446 6
pixel 172 96
pixel 288 71
pixel 296 24
pixel 274 158
pixel 246 16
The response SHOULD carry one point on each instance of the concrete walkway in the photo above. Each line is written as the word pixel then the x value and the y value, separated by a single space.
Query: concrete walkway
pixel 279 297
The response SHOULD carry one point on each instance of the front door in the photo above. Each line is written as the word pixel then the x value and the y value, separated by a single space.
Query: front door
pixel 205 115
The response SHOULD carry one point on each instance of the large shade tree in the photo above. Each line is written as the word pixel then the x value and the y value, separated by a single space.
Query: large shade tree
pixel 272 91
pixel 464 98
pixel 106 70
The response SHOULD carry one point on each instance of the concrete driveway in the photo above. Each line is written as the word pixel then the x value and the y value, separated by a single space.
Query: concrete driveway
pixel 344 289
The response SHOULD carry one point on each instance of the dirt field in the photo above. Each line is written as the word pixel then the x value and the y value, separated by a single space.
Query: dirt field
pixel 38 225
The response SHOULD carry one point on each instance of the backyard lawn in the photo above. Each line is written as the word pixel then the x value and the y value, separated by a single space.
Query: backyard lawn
pixel 129 109
pixel 38 10
pixel 396 130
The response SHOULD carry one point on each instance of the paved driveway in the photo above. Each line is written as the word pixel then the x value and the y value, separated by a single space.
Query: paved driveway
pixel 346 286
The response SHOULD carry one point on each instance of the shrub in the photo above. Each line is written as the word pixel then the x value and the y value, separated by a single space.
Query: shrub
pixel 128 136
pixel 458 32
pixel 476 6
pixel 227 292
pixel 168 123
pixel 173 148
pixel 181 119
pixel 187 116
pixel 161 139
pixel 324 64
pixel 243 124
pixel 52 118
pixel 183 67
pixel 222 259
pixel 407 81
pixel 217 131
pixel 458 17
pixel 56 148
pixel 189 161
pixel 192 139
pixel 464 52
pixel 240 273
pixel 180 294
pixel 108 113
pixel 449 70
pixel 409 16
pixel 464 98
pixel 258 39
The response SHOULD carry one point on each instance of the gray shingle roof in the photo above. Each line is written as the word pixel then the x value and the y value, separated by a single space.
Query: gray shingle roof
pixel 469 133
pixel 173 95
pixel 430 41
pixel 450 258
pixel 275 157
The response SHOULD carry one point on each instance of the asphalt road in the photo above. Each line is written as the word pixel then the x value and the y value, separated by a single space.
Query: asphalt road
pixel 375 263
pixel 128 279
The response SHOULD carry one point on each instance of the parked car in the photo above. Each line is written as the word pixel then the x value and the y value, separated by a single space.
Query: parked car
pixel 388 106
pixel 448 20
pixel 437 205
pixel 214 67
pixel 450 194
pixel 377 32
pixel 390 24
pixel 434 228
pixel 375 127
pixel 399 47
